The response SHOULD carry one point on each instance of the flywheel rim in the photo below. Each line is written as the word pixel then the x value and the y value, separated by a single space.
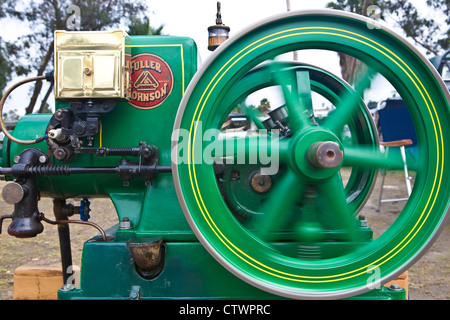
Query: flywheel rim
pixel 260 267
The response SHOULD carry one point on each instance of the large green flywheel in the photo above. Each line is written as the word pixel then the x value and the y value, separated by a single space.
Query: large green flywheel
pixel 307 204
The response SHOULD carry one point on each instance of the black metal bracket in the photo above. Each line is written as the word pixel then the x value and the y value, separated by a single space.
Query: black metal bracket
pixel 145 151
pixel 68 126
pixel 24 194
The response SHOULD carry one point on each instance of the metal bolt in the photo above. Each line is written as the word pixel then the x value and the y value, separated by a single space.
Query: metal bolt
pixel 101 152
pixel 235 176
pixel 42 159
pixel 79 127
pixel 58 114
pixel 61 153
pixel 362 221
pixel 125 224
pixel 17 159
pixel 91 128
pixel 135 292
pixel 261 183
pixel 395 287
pixel 67 287
pixel 146 152
pixel 134 295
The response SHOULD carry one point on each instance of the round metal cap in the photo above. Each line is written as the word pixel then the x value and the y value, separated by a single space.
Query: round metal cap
pixel 325 154
pixel 13 192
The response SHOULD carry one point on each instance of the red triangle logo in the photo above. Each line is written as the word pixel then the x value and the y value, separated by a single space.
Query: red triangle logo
pixel 146 81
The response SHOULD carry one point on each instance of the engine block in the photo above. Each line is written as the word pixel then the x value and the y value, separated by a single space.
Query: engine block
pixel 217 204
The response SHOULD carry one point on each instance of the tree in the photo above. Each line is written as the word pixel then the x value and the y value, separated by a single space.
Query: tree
pixel 264 106
pixel 143 27
pixel 350 67
pixel 11 115
pixel 425 32
pixel 4 70
pixel 34 51
pixel 444 7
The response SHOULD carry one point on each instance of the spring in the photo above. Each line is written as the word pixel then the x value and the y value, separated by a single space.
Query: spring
pixel 48 170
pixel 120 151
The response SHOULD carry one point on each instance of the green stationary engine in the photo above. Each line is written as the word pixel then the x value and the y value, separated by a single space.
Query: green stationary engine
pixel 214 204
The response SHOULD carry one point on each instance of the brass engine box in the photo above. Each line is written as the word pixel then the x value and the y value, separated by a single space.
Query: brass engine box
pixel 91 65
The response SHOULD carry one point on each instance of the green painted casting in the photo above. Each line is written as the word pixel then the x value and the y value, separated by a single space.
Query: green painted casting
pixel 222 238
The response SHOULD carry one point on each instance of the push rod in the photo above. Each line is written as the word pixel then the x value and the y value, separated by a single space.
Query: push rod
pixel 66 170
pixel 64 240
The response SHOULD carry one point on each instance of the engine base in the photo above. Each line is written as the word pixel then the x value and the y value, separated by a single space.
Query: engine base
pixel 189 272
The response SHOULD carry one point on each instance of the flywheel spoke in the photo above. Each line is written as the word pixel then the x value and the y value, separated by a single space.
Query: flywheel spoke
pixel 252 114
pixel 258 149
pixel 349 104
pixel 302 89
pixel 298 96
pixel 278 207
pixel 332 196
pixel 364 157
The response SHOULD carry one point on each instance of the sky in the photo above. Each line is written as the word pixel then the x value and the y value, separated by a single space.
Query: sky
pixel 192 18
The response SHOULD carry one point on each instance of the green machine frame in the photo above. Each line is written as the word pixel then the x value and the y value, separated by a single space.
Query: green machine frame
pixel 212 228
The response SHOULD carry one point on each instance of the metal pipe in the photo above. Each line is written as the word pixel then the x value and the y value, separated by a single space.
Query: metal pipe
pixel 6 216
pixel 2 102
pixel 77 222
